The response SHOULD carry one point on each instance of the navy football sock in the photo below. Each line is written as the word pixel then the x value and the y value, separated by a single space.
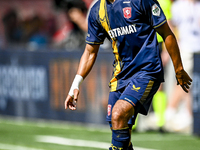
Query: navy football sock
pixel 120 139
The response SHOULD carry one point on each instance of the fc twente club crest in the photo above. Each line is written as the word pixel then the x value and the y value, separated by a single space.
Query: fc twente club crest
pixel 127 12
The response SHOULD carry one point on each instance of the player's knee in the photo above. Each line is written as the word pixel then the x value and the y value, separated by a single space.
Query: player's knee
pixel 117 117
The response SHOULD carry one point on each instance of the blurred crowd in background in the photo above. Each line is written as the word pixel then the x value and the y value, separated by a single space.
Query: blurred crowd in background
pixel 44 23
pixel 62 25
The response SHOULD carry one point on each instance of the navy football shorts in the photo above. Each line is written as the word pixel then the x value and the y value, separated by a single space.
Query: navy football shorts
pixel 139 93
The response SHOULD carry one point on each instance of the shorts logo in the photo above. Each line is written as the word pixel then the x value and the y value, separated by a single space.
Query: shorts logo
pixel 109 110
pixel 127 12
pixel 135 88
pixel 155 10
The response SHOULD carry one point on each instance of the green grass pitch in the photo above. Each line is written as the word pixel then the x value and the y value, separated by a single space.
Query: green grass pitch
pixel 52 135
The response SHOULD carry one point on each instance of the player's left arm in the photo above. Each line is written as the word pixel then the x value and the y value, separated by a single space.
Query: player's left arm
pixel 172 47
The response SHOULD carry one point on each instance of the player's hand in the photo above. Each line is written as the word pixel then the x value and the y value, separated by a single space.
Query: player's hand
pixel 70 101
pixel 184 80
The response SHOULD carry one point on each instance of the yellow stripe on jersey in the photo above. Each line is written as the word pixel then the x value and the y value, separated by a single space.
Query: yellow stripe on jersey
pixel 117 70
pixel 103 15
pixel 147 91
pixel 106 25
pixel 160 24
pixel 94 42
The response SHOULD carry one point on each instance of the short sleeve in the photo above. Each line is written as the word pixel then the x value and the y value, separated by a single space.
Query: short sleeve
pixel 153 13
pixel 96 33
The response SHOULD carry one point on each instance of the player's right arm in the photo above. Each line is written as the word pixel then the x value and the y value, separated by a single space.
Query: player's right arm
pixel 86 63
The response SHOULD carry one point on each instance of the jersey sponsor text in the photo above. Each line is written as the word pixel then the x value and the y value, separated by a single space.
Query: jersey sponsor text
pixel 122 31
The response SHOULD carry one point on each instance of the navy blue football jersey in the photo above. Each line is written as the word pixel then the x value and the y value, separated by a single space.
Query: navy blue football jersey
pixel 130 26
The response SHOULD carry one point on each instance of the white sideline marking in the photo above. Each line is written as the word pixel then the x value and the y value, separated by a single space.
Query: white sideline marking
pixel 79 143
pixel 15 147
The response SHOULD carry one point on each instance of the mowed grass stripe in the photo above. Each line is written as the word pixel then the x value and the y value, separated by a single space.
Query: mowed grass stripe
pixel 76 142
